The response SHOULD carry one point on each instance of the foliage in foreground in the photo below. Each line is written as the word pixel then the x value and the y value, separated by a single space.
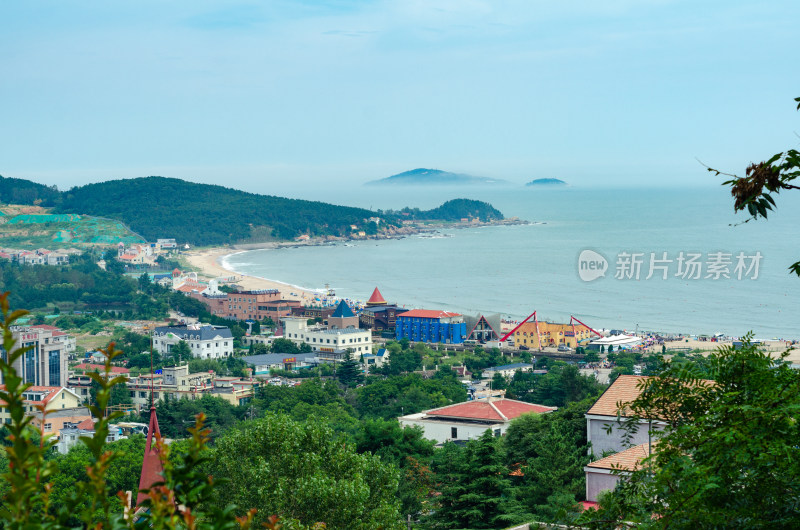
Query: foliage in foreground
pixel 729 457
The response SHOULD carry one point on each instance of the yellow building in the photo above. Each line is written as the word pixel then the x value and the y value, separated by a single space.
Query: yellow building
pixel 51 397
pixel 550 334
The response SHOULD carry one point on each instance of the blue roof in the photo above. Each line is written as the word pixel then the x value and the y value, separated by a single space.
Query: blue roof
pixel 381 352
pixel 343 311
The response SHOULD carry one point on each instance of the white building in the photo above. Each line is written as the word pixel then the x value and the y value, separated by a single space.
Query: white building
pixel 468 420
pixel 45 364
pixel 205 341
pixel 357 341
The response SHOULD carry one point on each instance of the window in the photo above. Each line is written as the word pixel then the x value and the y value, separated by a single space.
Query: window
pixel 453 432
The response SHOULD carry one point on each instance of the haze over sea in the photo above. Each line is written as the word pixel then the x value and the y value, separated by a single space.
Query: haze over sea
pixel 514 270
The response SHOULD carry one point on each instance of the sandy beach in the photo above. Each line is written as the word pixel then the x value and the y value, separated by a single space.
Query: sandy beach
pixel 208 265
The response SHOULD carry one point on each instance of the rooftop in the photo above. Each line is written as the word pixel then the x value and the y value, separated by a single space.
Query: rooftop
pixel 428 313
pixel 343 311
pixel 376 298
pixel 627 460
pixel 624 389
pixel 490 409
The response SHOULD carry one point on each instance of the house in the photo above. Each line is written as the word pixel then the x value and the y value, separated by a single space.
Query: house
pixel 468 420
pixel 70 434
pixel 204 341
pixel 483 328
pixel 605 474
pixel 60 418
pixel 357 341
pixel 604 425
pixel 422 325
pixel 52 398
pixel 507 370
pixel 262 364
pixel 376 360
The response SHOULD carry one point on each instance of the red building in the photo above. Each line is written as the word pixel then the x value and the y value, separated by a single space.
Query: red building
pixel 249 305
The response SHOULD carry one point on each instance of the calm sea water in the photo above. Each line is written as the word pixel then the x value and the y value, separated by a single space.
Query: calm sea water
pixel 514 270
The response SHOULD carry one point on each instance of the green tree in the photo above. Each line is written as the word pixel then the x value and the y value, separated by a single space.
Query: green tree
pixel 591 357
pixel 349 372
pixel 301 471
pixel 181 352
pixel 282 345
pixel 728 456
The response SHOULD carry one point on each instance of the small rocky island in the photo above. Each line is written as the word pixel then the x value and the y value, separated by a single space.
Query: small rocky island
pixel 548 182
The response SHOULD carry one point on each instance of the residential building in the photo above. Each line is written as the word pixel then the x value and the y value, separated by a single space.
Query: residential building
pixel 45 364
pixel 205 341
pixel 60 418
pixel 468 420
pixel 604 419
pixel 537 335
pixel 51 397
pixel 248 305
pixel 342 317
pixel 421 325
pixel 507 370
pixel 70 434
pixel 377 360
pixel 262 364
pixel 483 328
pixel 605 474
pixel 357 341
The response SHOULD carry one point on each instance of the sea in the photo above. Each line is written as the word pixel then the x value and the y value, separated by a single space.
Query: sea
pixel 677 259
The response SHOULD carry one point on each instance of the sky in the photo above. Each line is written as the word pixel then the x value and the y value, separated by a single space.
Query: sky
pixel 255 95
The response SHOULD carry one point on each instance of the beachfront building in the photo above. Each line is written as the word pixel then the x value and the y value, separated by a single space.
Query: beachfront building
pixel 483 328
pixel 319 314
pixel 248 305
pixel 45 364
pixel 342 317
pixel 537 335
pixel 357 341
pixel 205 341
pixel 469 420
pixel 616 342
pixel 379 315
pixel 423 325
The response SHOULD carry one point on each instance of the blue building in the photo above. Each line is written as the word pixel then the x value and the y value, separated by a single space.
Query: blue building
pixel 422 325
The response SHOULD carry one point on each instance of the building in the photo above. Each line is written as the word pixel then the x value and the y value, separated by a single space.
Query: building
pixel 468 420
pixel 357 341
pixel 70 434
pixel 538 335
pixel 376 299
pixel 262 364
pixel 421 325
pixel 342 317
pixel 379 315
pixel 51 397
pixel 604 474
pixel 60 418
pixel 604 419
pixel 507 370
pixel 205 341
pixel 248 305
pixel 45 364
pixel 377 360
pixel 483 328
pixel 320 314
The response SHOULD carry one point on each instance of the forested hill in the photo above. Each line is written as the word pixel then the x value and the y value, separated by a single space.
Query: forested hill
pixel 203 214
pixel 455 210
pixel 21 191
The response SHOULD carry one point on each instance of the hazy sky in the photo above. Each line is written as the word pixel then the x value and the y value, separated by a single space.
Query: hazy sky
pixel 249 94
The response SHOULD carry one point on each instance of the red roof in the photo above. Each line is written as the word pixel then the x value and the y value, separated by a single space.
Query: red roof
pixel 86 425
pixel 128 256
pixel 188 287
pixel 376 298
pixel 100 368
pixel 151 464
pixel 427 313
pixel 498 410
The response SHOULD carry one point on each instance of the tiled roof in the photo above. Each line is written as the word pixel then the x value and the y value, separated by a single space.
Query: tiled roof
pixel 623 390
pixel 498 410
pixel 627 460
pixel 188 287
pixel 128 256
pixel 86 425
pixel 427 313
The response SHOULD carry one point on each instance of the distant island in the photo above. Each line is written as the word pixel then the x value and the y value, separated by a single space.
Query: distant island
pixel 546 182
pixel 200 214
pixel 437 177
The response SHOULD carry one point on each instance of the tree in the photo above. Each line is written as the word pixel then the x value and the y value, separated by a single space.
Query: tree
pixel 282 345
pixel 349 372
pixel 754 192
pixel 302 471
pixel 145 283
pixel 591 357
pixel 728 456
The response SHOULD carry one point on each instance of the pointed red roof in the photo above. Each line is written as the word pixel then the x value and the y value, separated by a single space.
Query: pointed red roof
pixel 151 465
pixel 376 298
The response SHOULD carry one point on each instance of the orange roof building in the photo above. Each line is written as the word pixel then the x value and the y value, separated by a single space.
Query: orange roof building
pixel 605 474
pixel 468 420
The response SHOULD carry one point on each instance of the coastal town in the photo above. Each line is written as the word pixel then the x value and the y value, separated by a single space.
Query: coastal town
pixel 254 334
